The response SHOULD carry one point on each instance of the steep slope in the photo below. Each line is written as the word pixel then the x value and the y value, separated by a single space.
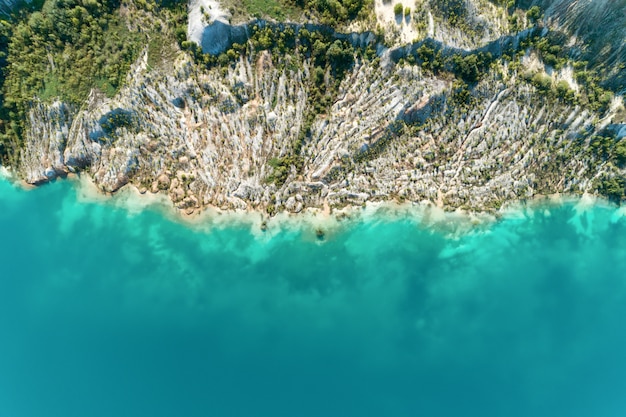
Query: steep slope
pixel 597 27
pixel 288 116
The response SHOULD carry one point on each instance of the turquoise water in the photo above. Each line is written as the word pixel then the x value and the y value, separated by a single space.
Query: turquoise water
pixel 109 313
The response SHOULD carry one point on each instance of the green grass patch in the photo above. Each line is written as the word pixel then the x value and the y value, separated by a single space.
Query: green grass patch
pixel 273 8
pixel 162 50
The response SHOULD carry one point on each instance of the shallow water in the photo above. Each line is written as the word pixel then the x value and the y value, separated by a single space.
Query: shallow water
pixel 105 312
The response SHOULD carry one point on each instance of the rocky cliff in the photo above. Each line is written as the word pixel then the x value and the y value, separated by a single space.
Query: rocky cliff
pixel 394 130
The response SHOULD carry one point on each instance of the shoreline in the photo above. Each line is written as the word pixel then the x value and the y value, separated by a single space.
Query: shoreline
pixel 320 223
pixel 329 222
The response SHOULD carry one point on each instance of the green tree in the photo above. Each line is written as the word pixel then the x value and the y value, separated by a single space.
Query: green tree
pixel 542 82
pixel 534 13
pixel 612 188
pixel 620 153
pixel 430 58
pixel 564 92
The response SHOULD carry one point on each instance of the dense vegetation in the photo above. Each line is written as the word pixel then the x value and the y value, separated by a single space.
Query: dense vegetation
pixel 63 51
pixel 65 48
pixel 329 12
pixel 5 34
pixel 454 11
pixel 332 12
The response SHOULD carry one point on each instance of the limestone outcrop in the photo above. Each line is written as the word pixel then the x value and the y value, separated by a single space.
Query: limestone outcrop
pixel 207 138
pixel 395 131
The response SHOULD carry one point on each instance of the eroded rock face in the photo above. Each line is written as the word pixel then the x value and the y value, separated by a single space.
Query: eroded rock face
pixel 207 137
pixel 219 141
pixel 46 139
pixel 8 6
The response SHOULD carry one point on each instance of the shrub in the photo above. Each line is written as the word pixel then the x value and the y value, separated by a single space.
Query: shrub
pixel 336 11
pixel 564 92
pixel 620 154
pixel 472 66
pixel 430 59
pixel 542 81
pixel 534 13
pixel 118 118
pixel 612 188
pixel 397 9
pixel 454 11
